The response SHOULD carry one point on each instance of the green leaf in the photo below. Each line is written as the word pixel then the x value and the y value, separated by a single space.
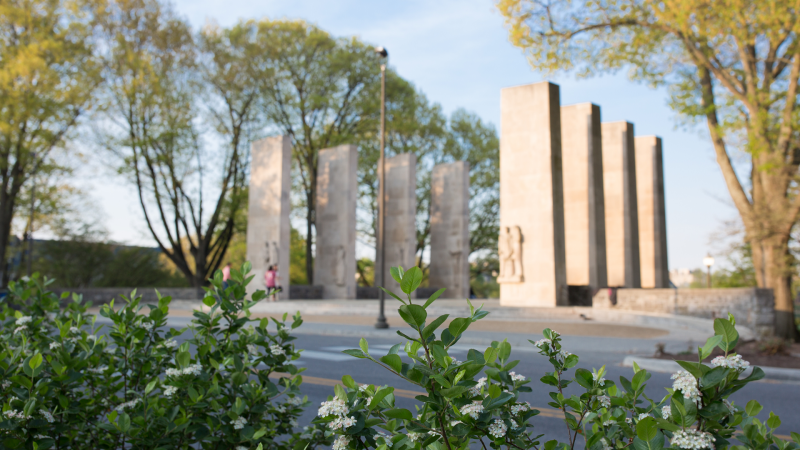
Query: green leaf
pixel 183 359
pixel 795 437
pixel 209 301
pixel 712 342
pixel 340 392
pixel 753 408
pixel 411 280
pixel 355 352
pixel 433 297
pixel 364 346
pixel 399 414
pixel 458 326
pixel 434 325
pixel 504 350
pixel 393 295
pixel 490 355
pixel 454 391
pixel 397 274
pixel 692 367
pixel 150 386
pixel 730 337
pixel 124 422
pixel 348 381
pixel 773 421
pixel 414 315
pixel 393 361
pixel 639 379
pixel 493 403
pixel 35 361
pixel 380 395
pixel 713 377
pixel 646 429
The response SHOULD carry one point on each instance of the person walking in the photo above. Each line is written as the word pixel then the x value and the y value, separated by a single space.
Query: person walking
pixel 226 275
pixel 269 281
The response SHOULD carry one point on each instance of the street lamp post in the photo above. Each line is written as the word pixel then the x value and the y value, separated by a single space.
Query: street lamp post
pixel 381 263
pixel 708 261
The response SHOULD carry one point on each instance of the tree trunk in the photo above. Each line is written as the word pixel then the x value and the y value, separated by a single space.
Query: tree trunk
pixel 309 243
pixel 777 275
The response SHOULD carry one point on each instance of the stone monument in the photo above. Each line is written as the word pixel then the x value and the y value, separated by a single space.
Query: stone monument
pixel 449 267
pixel 584 212
pixel 401 211
pixel 652 213
pixel 337 192
pixel 622 220
pixel 531 197
pixel 268 228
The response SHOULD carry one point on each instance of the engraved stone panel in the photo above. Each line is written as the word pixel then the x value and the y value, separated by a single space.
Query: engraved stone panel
pixel 449 267
pixel 652 212
pixel 401 212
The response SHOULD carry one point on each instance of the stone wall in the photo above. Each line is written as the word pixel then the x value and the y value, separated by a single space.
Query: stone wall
pixel 752 307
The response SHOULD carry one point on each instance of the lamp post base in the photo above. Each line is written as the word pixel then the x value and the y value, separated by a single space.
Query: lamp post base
pixel 381 323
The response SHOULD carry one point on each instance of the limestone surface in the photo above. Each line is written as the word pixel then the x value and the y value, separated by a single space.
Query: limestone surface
pixel 268 227
pixel 652 212
pixel 449 267
pixel 531 196
pixel 401 210
pixel 337 192
pixel 622 222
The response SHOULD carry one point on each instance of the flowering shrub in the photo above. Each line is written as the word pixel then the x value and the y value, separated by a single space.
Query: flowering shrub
pixel 229 385
pixel 458 412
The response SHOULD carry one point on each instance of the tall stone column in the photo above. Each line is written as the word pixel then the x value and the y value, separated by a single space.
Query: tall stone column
pixel 449 267
pixel 622 220
pixel 401 212
pixel 531 242
pixel 584 211
pixel 652 213
pixel 268 227
pixel 337 192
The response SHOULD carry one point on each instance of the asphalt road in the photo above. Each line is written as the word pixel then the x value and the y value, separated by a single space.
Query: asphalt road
pixel 325 364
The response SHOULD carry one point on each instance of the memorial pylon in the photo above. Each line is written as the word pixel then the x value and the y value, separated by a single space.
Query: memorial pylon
pixel 531 245
pixel 449 266
pixel 652 212
pixel 622 222
pixel 584 211
pixel 401 211
pixel 337 192
pixel 268 227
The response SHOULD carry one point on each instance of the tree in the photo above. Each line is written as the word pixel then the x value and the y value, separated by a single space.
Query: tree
pixel 322 93
pixel 48 74
pixel 734 64
pixel 156 81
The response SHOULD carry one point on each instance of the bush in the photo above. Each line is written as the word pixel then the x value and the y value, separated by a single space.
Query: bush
pixel 231 385
pixel 459 411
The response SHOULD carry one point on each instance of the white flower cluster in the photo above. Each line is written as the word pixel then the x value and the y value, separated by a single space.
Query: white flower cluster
pixel 498 428
pixel 387 440
pixel 363 387
pixel 147 325
pixel 12 414
pixel 335 407
pixel 23 320
pixel 47 416
pixel 563 353
pixel 342 422
pixel 22 328
pixel 515 377
pixel 456 362
pixel 239 447
pixel 520 407
pixel 686 383
pixel 309 433
pixel 6 384
pixel 600 380
pixel 170 343
pixel 54 345
pixel 731 362
pixel 238 424
pixel 91 337
pixel 642 416
pixel 414 437
pixel 692 439
pixel 608 423
pixel 100 369
pixel 605 401
pixel 666 412
pixel 295 401
pixel 473 410
pixel 543 344
pixel 194 369
pixel 277 350
pixel 128 405
pixel 169 391
pixel 476 390
pixel 341 442
pixel 74 330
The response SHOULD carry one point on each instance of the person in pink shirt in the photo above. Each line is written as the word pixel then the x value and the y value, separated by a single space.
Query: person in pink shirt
pixel 269 281
pixel 226 275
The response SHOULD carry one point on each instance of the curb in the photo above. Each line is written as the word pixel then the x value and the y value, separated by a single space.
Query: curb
pixel 667 366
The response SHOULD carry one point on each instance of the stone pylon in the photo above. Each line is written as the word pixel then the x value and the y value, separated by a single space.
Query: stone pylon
pixel 622 220
pixel 449 267
pixel 401 212
pixel 337 192
pixel 531 243
pixel 652 212
pixel 268 227
pixel 584 211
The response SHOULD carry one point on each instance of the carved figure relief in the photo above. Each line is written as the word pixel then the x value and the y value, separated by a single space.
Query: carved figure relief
pixel 509 250
pixel 338 266
pixel 271 256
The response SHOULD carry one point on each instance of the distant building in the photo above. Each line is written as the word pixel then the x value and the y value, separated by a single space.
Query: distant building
pixel 681 278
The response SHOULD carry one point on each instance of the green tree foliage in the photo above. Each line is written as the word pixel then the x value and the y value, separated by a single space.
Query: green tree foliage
pixel 48 74
pixel 297 258
pixel 733 64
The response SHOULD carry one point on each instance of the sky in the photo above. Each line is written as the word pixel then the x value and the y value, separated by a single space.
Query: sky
pixel 457 52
